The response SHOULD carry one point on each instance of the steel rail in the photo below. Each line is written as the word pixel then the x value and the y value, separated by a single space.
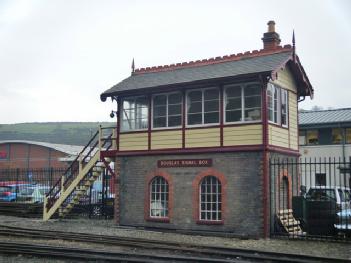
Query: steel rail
pixel 218 251
pixel 84 254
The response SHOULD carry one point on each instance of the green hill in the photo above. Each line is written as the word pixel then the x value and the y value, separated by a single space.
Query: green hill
pixel 73 133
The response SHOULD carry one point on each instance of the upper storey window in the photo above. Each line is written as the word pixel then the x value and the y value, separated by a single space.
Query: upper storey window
pixel 203 106
pixel 242 103
pixel 134 113
pixel 277 105
pixel 167 110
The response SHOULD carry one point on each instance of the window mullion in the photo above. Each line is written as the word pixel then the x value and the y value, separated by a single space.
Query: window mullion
pixel 203 106
pixel 242 104
pixel 167 110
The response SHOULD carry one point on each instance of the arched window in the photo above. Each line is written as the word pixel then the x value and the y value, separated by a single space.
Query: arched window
pixel 159 197
pixel 210 198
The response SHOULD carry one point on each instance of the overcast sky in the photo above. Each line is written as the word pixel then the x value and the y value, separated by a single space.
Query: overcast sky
pixel 57 57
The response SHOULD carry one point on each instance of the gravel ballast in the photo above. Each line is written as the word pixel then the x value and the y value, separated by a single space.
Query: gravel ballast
pixel 107 227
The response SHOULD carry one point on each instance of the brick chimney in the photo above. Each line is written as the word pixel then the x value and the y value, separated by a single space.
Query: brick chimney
pixel 271 39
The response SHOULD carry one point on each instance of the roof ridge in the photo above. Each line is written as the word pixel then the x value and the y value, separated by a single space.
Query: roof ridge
pixel 313 111
pixel 216 60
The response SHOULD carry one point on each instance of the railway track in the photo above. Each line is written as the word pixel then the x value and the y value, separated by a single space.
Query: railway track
pixel 140 250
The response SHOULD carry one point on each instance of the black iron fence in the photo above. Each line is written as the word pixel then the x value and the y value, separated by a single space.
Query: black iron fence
pixel 311 198
pixel 29 186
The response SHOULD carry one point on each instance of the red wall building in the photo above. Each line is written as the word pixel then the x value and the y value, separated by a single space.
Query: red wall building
pixel 35 155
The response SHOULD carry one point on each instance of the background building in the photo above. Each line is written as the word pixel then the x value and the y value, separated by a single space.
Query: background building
pixel 325 137
pixel 36 155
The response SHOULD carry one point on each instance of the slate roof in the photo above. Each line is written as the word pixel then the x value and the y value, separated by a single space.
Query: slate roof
pixel 161 76
pixel 307 118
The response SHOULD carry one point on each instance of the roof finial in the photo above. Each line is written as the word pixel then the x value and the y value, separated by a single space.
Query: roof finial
pixel 293 42
pixel 133 66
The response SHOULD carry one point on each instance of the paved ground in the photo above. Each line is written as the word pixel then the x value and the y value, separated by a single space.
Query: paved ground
pixel 107 227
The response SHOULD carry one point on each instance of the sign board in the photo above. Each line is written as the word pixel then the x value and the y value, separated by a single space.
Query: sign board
pixel 184 163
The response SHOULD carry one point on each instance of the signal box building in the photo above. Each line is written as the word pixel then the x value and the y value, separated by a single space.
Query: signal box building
pixel 194 139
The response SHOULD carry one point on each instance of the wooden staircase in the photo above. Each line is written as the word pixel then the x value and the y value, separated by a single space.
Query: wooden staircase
pixel 89 165
pixel 291 225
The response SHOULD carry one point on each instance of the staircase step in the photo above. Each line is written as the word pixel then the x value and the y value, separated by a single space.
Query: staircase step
pixel 285 212
pixel 291 222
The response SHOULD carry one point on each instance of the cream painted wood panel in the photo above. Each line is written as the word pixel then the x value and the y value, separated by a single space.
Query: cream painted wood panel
pixel 278 136
pixel 202 137
pixel 293 121
pixel 286 80
pixel 133 141
pixel 166 139
pixel 242 135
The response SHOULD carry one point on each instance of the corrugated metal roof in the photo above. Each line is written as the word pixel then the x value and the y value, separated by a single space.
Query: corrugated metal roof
pixel 68 149
pixel 325 116
pixel 262 63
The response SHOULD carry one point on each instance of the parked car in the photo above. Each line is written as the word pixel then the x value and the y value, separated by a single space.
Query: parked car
pixel 95 203
pixel 10 192
pixel 33 193
pixel 341 195
pixel 328 208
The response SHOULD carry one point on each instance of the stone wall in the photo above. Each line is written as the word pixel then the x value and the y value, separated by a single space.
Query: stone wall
pixel 241 177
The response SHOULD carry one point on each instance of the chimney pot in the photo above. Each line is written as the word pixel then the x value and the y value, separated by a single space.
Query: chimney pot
pixel 271 26
pixel 271 39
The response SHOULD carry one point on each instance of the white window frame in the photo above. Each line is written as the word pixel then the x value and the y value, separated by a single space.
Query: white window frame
pixel 242 87
pixel 286 93
pixel 123 113
pixel 153 203
pixel 277 107
pixel 202 107
pixel 219 212
pixel 167 116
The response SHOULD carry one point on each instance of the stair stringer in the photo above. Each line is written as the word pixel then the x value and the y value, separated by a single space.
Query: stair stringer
pixel 66 192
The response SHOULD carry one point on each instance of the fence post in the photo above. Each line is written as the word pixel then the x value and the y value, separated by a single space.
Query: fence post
pixel 17 178
pixel 51 175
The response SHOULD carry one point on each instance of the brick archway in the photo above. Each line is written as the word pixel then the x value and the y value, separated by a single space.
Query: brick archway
pixel 196 189
pixel 284 180
pixel 149 179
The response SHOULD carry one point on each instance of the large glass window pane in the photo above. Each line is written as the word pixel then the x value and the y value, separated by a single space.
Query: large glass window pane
pixel 284 107
pixel 337 136
pixel 195 118
pixel 195 96
pixel 211 117
pixel 270 92
pixel 175 98
pixel 212 105
pixel 159 197
pixel 348 135
pixel 312 137
pixel 233 104
pixel 160 111
pixel 210 199
pixel 211 94
pixel 174 109
pixel 174 121
pixel 169 107
pixel 195 107
pixel 252 103
pixel 134 113
pixel 160 100
pixel 160 122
